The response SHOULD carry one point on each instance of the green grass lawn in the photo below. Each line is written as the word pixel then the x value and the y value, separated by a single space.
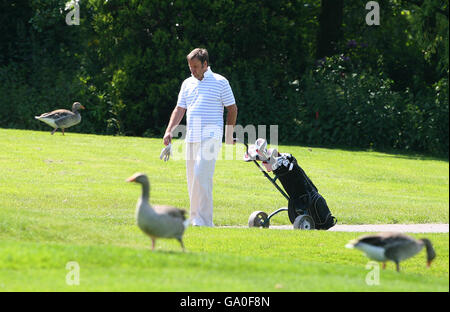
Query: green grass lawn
pixel 216 260
pixel 64 198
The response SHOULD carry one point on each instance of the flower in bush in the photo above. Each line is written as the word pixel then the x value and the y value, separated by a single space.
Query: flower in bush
pixel 352 44
pixel 321 61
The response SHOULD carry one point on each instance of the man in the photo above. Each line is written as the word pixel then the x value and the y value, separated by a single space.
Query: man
pixel 203 96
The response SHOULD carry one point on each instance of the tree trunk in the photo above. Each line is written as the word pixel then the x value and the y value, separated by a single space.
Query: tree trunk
pixel 330 30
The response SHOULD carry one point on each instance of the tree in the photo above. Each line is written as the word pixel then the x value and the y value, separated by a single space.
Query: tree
pixel 330 27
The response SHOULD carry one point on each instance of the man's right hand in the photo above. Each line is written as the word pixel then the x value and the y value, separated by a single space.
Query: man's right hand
pixel 174 121
pixel 167 138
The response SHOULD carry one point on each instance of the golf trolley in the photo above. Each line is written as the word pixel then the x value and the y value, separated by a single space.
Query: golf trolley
pixel 307 209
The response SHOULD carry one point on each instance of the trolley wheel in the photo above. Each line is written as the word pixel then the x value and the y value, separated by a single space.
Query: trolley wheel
pixel 257 219
pixel 304 222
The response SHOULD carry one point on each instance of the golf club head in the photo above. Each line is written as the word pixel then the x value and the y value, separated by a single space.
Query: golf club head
pixel 261 149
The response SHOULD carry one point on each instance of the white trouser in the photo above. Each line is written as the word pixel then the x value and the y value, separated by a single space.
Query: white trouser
pixel 200 164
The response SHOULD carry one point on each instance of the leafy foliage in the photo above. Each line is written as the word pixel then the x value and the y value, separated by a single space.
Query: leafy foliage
pixel 346 105
pixel 385 87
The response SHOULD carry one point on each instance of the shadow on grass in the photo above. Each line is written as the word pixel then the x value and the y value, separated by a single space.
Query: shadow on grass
pixel 387 153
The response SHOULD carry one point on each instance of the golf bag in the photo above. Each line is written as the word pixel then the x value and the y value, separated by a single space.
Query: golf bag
pixel 304 195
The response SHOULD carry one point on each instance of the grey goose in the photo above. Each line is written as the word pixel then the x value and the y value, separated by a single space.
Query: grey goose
pixel 158 221
pixel 62 118
pixel 396 247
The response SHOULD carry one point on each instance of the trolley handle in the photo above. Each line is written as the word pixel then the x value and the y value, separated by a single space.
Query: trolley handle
pixel 265 173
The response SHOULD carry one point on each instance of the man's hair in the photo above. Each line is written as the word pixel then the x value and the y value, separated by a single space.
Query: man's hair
pixel 200 54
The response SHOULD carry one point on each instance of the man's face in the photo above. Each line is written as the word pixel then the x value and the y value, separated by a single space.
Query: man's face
pixel 197 68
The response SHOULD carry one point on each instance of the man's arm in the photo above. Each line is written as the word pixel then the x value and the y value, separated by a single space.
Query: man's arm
pixel 231 122
pixel 175 119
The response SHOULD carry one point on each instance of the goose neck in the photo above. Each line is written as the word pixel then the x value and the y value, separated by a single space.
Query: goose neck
pixel 145 191
pixel 431 254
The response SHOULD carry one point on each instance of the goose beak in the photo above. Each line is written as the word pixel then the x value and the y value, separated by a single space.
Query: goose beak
pixel 82 107
pixel 130 179
pixel 351 244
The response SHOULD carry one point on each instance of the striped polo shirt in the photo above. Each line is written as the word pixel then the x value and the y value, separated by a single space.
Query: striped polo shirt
pixel 204 101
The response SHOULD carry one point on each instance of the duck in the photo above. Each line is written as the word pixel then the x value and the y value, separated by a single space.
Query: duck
pixel 62 118
pixel 396 247
pixel 158 221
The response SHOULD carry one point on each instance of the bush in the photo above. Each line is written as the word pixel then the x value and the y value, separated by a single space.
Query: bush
pixel 340 104
pixel 126 61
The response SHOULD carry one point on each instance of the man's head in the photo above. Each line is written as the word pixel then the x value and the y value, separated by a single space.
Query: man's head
pixel 198 61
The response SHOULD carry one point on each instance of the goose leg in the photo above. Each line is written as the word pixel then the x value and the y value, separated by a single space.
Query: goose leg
pixel 398 266
pixel 181 243
pixel 62 129
pixel 153 243
pixel 384 265
pixel 54 130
